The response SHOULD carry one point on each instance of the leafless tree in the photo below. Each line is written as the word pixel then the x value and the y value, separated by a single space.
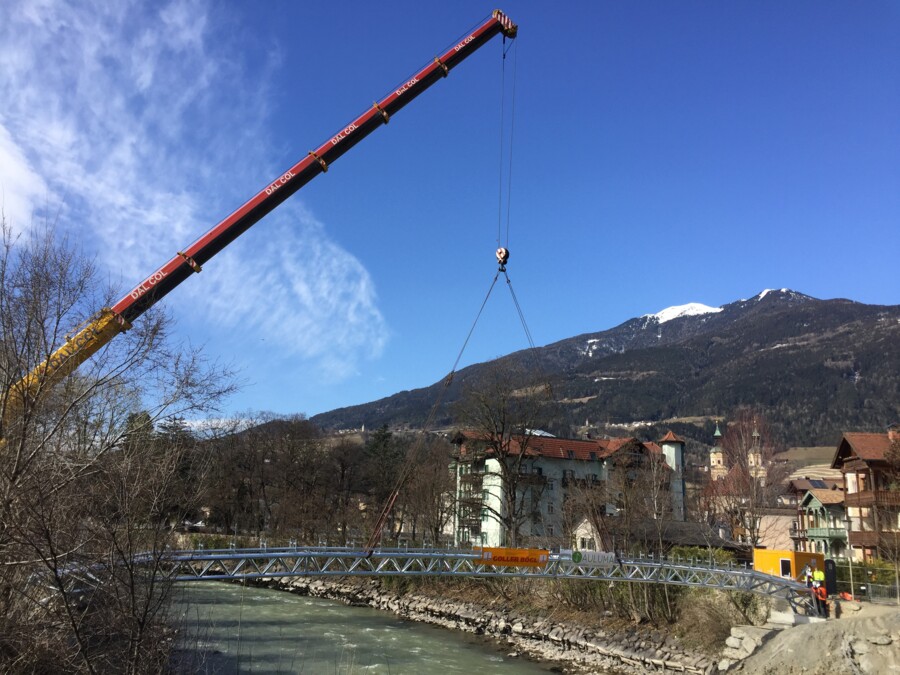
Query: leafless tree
pixel 631 512
pixel 503 410
pixel 272 477
pixel 633 505
pixel 428 498
pixel 754 481
pixel 66 601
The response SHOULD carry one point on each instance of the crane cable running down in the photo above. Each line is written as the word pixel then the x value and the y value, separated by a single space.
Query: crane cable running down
pixel 502 256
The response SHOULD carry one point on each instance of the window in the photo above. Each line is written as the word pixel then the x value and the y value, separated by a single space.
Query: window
pixel 549 530
pixel 593 456
pixel 571 454
pixel 484 515
pixel 549 507
pixel 786 568
pixel 550 484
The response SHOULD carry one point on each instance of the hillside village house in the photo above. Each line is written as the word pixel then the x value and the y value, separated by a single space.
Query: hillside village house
pixel 555 481
pixel 851 504
pixel 872 496
pixel 821 523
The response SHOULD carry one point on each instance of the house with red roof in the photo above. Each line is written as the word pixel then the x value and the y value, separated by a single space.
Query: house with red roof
pixel 533 489
pixel 870 464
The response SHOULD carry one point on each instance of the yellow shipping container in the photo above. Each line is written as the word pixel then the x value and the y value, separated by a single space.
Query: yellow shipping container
pixel 787 564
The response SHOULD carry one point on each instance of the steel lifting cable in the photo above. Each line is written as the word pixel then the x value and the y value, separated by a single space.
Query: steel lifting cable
pixel 500 141
pixel 505 248
pixel 512 129
pixel 502 257
pixel 413 454
pixel 519 310
pixel 500 240
pixel 531 346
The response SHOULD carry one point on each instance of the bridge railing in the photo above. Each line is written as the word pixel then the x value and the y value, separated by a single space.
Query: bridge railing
pixel 332 561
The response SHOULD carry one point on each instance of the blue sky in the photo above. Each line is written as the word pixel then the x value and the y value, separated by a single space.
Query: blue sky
pixel 663 153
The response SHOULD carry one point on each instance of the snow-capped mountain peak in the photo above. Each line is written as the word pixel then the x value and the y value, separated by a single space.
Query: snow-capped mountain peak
pixel 690 309
pixel 766 291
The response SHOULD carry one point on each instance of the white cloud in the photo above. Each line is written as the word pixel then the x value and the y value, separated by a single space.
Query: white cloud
pixel 20 185
pixel 300 291
pixel 122 114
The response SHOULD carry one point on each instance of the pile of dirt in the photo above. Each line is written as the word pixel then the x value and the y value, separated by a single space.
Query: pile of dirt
pixel 865 639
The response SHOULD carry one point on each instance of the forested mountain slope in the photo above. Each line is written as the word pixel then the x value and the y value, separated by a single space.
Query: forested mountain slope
pixel 812 367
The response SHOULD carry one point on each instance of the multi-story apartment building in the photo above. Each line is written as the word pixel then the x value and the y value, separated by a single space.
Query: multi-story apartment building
pixel 527 491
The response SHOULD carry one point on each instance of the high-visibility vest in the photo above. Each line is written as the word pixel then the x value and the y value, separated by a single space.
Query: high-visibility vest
pixel 821 593
pixel 818 575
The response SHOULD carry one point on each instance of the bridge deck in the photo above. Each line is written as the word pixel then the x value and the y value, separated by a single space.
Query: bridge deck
pixel 267 563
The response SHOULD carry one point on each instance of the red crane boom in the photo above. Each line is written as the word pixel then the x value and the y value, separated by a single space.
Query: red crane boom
pixel 167 277
pixel 111 321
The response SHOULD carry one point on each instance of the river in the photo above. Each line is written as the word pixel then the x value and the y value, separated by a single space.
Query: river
pixel 227 628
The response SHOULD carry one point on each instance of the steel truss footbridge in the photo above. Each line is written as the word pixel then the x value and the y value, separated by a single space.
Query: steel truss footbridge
pixel 296 561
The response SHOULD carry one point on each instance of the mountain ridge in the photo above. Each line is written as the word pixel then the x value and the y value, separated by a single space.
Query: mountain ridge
pixel 812 367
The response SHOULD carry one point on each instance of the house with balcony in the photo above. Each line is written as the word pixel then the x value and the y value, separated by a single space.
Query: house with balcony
pixel 872 492
pixel 538 487
pixel 798 485
pixel 822 519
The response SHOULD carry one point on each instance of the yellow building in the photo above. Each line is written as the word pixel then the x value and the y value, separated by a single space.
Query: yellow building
pixel 787 564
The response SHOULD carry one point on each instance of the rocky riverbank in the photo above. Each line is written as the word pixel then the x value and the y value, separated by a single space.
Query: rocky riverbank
pixel 863 641
pixel 578 649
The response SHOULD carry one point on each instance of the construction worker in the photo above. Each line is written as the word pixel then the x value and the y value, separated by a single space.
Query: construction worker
pixel 806 576
pixel 818 576
pixel 821 599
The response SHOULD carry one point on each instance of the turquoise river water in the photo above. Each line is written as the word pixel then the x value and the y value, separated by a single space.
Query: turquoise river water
pixel 229 628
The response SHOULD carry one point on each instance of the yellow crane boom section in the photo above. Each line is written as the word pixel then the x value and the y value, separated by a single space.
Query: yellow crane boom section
pixel 77 349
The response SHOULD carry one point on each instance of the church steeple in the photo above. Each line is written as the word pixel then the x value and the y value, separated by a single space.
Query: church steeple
pixel 717 468
pixel 754 457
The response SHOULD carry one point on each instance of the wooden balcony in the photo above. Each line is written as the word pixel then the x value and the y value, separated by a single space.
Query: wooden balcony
pixel 827 533
pixel 869 539
pixel 873 498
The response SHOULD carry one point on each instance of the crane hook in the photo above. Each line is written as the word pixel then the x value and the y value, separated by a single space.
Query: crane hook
pixel 502 257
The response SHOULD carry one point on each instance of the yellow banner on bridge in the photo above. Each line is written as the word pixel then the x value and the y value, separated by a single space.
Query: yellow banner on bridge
pixel 514 557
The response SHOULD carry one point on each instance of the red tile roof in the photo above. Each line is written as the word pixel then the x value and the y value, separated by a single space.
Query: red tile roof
pixel 671 438
pixel 568 448
pixel 868 447
pixel 562 448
